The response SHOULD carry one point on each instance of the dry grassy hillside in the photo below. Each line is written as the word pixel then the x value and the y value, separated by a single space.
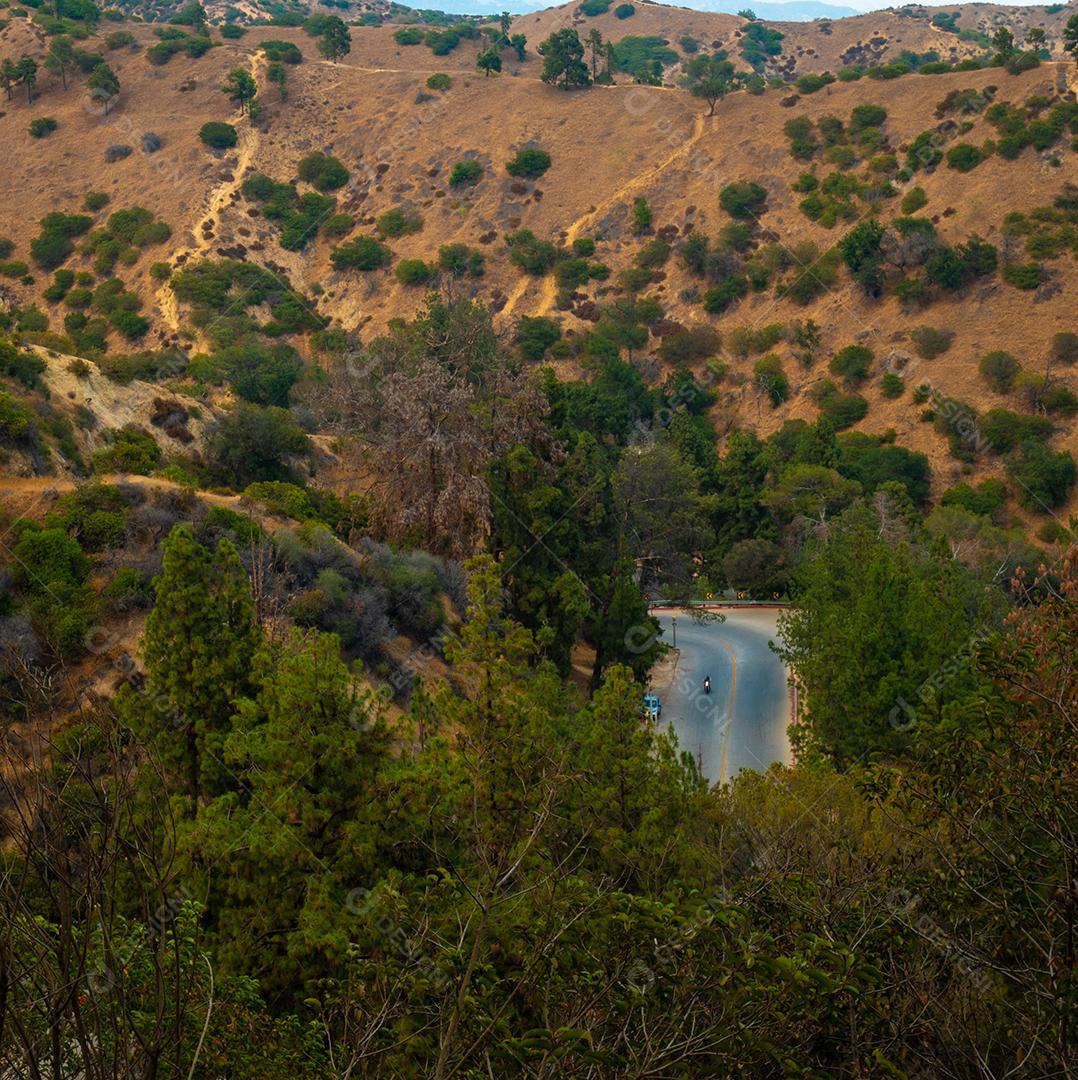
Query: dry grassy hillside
pixel 609 146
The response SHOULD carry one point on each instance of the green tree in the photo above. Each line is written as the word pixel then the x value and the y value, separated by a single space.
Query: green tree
pixel 240 88
pixel 26 72
pixel 563 60
pixel 60 59
pixel 620 627
pixel 199 645
pixel 104 85
pixel 335 40
pixel 306 745
pixel 636 796
pixel 519 43
pixel 1070 37
pixel 710 78
pixel 489 60
pixel 277 74
pixel 881 636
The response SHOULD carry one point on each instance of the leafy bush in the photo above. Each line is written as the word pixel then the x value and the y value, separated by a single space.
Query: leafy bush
pixel 465 173
pixel 397 222
pixel 892 386
pixel 338 225
pixel 928 342
pixel 985 500
pixel 1064 347
pixel 771 379
pixel 218 135
pixel 413 272
pixel 1003 429
pixel 624 11
pixel 281 52
pixel 532 255
pixel 324 172
pixel 530 164
pixel 1023 275
pixel 362 253
pixel 728 292
pixel 744 200
pixel 130 450
pixel 254 443
pixel 964 157
pixel 439 81
pixel 54 243
pixel 261 374
pixel 999 369
pixel 460 259
pixel 865 117
pixel 41 126
pixel 914 200
pixel 852 363
pixel 231 31
pixel 1042 479
pixel 536 335
pixel 408 35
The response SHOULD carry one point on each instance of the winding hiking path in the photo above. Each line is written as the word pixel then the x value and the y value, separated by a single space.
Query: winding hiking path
pixel 633 186
pixel 219 198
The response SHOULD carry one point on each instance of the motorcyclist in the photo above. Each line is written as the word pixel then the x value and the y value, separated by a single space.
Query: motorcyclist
pixel 707 684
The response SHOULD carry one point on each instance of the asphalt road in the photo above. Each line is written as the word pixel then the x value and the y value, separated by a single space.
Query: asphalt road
pixel 742 723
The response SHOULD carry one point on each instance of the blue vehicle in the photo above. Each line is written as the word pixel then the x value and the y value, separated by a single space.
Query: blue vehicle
pixel 652 706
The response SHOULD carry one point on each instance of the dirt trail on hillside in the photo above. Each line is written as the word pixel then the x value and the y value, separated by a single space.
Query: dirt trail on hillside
pixel 219 199
pixel 58 485
pixel 629 189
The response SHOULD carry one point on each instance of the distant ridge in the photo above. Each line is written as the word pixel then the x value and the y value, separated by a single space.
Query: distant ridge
pixel 782 11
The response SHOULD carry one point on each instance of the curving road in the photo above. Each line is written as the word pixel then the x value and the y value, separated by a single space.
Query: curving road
pixel 742 723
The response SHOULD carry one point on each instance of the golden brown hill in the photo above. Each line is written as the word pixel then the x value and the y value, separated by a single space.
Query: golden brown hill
pixel 608 145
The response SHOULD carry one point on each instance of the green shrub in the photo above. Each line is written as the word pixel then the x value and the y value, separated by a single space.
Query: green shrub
pixel 1023 275
pixel 54 243
pixel 999 369
pixel 338 225
pixel 771 379
pixel 413 272
pixel 362 253
pixel 218 135
pixel 408 35
pixel 460 259
pixel 439 81
pixel 41 126
pixel 322 171
pixel 892 386
pixel 928 342
pixel 914 200
pixel 530 164
pixel 1003 430
pixel 865 117
pixel 852 363
pixel 130 450
pixel 725 294
pixel 1042 479
pixel 232 31
pixel 532 255
pixel 397 222
pixel 1064 347
pixel 535 335
pixel 744 200
pixel 964 157
pixel 465 173
pixel 281 52
pixel 624 11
